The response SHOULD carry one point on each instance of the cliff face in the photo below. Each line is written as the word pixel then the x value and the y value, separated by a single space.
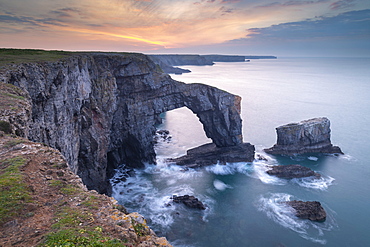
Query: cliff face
pixel 308 136
pixel 100 110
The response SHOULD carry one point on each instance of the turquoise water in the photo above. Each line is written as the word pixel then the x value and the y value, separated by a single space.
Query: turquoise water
pixel 243 201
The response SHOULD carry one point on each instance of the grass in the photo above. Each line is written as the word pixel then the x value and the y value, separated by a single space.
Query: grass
pixel 71 231
pixel 70 218
pixel 17 56
pixel 81 237
pixel 13 191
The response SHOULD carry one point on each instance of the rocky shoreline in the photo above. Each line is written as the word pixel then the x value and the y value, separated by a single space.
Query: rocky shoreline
pixel 100 111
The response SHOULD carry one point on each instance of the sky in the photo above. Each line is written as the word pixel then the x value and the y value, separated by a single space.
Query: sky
pixel 333 28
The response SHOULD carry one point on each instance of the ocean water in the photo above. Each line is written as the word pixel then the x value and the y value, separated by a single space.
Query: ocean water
pixel 243 202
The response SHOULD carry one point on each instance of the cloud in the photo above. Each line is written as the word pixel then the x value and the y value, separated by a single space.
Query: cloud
pixel 343 4
pixel 292 3
pixel 355 23
pixel 65 12
pixel 26 20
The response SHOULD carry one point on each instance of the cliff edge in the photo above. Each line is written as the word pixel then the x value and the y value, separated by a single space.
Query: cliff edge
pixel 100 110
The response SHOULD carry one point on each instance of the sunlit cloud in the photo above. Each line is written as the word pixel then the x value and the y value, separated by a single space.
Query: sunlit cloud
pixel 147 25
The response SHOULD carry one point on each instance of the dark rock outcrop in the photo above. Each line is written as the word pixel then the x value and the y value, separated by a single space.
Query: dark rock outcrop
pixel 308 210
pixel 308 136
pixel 100 110
pixel 167 62
pixel 292 171
pixel 210 154
pixel 189 201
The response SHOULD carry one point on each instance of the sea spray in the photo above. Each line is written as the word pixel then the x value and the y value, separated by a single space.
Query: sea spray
pixel 274 207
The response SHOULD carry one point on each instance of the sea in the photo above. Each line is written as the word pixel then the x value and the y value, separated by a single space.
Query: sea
pixel 243 202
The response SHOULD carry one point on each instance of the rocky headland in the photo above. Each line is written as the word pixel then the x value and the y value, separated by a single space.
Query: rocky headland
pixel 100 110
pixel 308 136
pixel 168 61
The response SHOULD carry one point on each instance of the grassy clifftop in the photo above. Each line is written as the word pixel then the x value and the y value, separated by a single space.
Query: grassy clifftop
pixel 16 56
pixel 42 203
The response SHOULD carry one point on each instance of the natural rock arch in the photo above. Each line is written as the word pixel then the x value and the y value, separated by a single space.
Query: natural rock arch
pixel 100 110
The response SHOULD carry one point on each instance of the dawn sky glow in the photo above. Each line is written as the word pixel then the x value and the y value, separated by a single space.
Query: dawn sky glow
pixel 252 27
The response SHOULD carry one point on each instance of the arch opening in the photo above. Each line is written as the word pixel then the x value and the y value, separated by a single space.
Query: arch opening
pixel 185 132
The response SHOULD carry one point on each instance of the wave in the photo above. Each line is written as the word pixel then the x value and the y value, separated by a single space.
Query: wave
pixel 256 169
pixel 322 183
pixel 284 215
pixel 150 190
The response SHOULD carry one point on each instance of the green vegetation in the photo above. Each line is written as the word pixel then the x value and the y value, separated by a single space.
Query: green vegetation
pixel 17 56
pixel 72 231
pixel 14 193
pixel 92 202
pixel 80 237
pixel 68 217
pixel 139 228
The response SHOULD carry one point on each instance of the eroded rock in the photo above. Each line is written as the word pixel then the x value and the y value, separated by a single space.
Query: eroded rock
pixel 210 154
pixel 189 201
pixel 292 171
pixel 311 210
pixel 100 110
pixel 308 136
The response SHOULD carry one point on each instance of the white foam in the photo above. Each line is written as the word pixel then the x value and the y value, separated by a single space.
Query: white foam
pixel 322 183
pixel 313 158
pixel 284 215
pixel 151 189
pixel 219 185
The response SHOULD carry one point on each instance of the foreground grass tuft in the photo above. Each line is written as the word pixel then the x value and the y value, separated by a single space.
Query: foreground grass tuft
pixel 81 237
pixel 13 191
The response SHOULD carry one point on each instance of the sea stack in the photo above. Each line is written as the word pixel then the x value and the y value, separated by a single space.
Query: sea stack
pixel 308 136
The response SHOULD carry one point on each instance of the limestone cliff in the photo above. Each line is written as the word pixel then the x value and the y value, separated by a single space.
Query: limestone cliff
pixel 308 136
pixel 100 109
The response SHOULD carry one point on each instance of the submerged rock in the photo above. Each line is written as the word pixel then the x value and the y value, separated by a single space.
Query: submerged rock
pixel 292 171
pixel 210 154
pixel 308 210
pixel 189 201
pixel 308 136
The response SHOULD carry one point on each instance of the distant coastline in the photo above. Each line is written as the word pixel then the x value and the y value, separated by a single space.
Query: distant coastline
pixel 167 62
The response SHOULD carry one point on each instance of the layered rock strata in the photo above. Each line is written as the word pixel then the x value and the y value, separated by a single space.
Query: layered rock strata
pixel 210 154
pixel 100 110
pixel 308 136
pixel 292 171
